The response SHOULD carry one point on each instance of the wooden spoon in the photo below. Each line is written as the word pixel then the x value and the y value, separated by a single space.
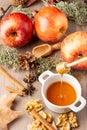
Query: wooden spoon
pixel 45 49
pixel 64 67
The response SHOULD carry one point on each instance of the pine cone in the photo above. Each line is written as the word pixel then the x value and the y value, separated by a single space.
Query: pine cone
pixel 27 61
pixel 17 2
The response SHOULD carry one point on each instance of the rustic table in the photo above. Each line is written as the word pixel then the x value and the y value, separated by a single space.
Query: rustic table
pixel 19 104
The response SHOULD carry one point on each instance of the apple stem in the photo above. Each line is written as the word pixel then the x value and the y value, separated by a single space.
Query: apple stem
pixel 62 32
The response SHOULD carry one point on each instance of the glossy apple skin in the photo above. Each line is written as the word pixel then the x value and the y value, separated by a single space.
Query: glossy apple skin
pixel 50 24
pixel 73 47
pixel 16 30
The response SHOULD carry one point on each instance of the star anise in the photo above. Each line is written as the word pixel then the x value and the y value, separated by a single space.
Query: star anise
pixel 29 80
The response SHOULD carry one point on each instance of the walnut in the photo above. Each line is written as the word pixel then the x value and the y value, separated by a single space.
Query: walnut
pixel 66 121
pixel 38 107
pixel 66 126
pixel 36 124
pixel 72 120
pixel 46 116
pixel 62 118
pixel 43 127
pixel 49 117
pixel 27 61
pixel 43 114
pixel 33 104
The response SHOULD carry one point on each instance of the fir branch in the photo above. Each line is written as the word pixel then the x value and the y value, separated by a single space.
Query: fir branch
pixel 22 10
pixel 9 57
pixel 73 10
pixel 47 63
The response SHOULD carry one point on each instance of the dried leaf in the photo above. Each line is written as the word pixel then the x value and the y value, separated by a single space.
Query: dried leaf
pixel 5 104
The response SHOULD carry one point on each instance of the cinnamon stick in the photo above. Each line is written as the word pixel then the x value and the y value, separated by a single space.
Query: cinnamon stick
pixel 42 120
pixel 11 90
pixel 14 81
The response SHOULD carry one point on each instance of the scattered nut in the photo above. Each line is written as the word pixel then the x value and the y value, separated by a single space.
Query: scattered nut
pixel 43 127
pixel 36 124
pixel 46 116
pixel 61 119
pixel 33 104
pixel 66 126
pixel 49 117
pixel 38 107
pixel 67 121
pixel 72 120
pixel 64 121
pixel 43 114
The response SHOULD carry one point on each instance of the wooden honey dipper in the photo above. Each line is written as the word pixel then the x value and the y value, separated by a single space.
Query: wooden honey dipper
pixel 64 67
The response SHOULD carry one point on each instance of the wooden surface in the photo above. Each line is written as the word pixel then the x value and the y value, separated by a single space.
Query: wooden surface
pixel 19 104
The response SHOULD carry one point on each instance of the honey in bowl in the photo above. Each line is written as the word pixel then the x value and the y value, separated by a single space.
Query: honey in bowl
pixel 61 93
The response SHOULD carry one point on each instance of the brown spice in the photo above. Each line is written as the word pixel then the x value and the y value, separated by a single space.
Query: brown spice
pixel 12 90
pixel 39 65
pixel 12 79
pixel 42 120
pixel 29 79
pixel 27 61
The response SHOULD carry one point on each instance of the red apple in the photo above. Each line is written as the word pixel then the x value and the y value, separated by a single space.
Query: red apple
pixel 16 30
pixel 73 47
pixel 50 24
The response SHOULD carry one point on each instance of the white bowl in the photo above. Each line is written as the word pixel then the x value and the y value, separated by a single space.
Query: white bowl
pixel 47 78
